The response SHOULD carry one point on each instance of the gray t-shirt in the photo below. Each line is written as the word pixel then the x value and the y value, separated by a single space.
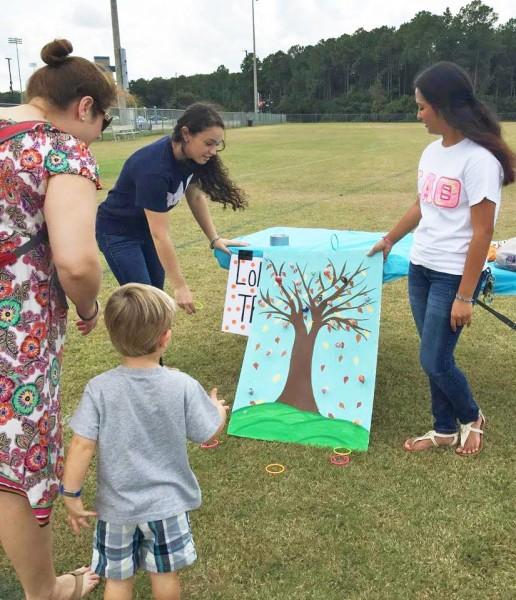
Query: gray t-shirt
pixel 141 419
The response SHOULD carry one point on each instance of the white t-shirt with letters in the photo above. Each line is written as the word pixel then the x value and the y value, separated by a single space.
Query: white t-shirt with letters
pixel 450 181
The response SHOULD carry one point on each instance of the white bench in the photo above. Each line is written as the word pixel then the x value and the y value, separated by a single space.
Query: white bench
pixel 124 131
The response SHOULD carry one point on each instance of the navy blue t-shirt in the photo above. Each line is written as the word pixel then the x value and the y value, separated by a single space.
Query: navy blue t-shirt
pixel 151 179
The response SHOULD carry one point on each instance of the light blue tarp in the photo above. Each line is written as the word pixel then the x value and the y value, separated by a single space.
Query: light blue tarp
pixel 335 239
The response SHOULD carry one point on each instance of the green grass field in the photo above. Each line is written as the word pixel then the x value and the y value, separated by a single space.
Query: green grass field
pixel 392 525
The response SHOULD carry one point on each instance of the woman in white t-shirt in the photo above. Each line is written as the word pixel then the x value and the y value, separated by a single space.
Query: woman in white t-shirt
pixel 459 190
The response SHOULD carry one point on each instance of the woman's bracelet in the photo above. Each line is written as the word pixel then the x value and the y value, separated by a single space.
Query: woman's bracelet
pixel 463 299
pixel 212 242
pixel 388 241
pixel 97 308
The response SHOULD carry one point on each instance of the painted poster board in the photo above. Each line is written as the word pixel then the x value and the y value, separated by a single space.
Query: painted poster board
pixel 309 369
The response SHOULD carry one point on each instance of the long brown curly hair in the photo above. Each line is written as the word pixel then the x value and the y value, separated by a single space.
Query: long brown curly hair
pixel 212 177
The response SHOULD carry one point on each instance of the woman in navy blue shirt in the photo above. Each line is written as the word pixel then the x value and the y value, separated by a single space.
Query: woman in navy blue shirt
pixel 133 224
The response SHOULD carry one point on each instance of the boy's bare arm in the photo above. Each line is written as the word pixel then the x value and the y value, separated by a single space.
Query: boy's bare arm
pixel 220 403
pixel 77 462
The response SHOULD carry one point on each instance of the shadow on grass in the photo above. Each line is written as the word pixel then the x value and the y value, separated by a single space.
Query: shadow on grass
pixel 279 422
pixel 9 587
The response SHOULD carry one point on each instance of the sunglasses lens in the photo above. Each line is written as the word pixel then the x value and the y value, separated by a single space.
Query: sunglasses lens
pixel 106 122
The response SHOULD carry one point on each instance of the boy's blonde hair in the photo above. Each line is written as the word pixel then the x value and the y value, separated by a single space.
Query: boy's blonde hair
pixel 136 315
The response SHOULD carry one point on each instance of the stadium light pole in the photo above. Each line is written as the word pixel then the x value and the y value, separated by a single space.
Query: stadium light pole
pixel 17 42
pixel 118 55
pixel 255 78
pixel 10 76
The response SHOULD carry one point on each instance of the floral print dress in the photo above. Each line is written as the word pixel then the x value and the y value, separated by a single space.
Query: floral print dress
pixel 32 315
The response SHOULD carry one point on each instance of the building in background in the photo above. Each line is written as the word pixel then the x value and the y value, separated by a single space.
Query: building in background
pixel 103 63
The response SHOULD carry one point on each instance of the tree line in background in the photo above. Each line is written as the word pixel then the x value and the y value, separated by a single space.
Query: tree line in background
pixel 366 72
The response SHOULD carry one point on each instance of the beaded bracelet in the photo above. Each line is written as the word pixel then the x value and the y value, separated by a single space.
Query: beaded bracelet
pixel 97 307
pixel 463 299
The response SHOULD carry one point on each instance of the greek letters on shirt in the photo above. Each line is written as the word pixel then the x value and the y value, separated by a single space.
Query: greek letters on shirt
pixel 443 192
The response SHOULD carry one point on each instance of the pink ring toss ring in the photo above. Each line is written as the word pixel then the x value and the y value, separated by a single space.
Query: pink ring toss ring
pixel 275 469
pixel 341 451
pixel 214 444
pixel 340 460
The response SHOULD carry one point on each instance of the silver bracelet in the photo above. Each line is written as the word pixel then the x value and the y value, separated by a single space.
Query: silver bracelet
pixel 463 299
pixel 212 242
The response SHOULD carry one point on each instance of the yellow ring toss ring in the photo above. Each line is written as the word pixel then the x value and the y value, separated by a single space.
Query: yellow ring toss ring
pixel 275 469
pixel 341 451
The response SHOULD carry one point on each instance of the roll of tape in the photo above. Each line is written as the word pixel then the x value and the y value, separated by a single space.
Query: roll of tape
pixel 279 239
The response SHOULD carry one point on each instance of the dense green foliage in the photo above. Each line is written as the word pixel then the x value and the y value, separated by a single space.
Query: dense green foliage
pixel 368 71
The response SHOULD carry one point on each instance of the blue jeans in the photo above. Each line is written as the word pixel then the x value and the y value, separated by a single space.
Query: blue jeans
pixel 132 259
pixel 431 295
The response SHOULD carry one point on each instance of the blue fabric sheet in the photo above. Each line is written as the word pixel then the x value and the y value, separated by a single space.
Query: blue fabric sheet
pixel 335 239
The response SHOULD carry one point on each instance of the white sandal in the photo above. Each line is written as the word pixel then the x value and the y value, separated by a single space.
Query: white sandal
pixel 466 429
pixel 431 435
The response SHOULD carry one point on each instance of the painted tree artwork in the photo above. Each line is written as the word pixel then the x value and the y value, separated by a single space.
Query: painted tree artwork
pixel 309 368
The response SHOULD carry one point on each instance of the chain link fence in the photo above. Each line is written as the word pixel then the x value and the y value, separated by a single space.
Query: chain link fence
pixel 156 120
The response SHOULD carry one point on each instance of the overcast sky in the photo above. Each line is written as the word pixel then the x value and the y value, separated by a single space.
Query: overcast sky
pixel 163 38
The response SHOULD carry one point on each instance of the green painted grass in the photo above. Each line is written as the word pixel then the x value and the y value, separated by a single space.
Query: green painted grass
pixel 279 422
pixel 390 526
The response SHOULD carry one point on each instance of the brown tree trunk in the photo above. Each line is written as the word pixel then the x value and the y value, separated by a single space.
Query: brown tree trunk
pixel 298 390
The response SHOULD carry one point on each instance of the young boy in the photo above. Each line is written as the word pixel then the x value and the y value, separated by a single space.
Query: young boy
pixel 138 417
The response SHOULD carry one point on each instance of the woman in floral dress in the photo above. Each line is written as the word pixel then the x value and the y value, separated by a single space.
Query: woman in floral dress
pixel 48 179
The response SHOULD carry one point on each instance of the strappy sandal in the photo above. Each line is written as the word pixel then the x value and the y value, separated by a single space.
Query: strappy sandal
pixel 79 581
pixel 431 435
pixel 466 429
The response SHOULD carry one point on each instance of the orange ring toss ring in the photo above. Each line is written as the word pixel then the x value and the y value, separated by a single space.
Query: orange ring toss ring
pixel 338 451
pixel 340 460
pixel 275 469
pixel 214 444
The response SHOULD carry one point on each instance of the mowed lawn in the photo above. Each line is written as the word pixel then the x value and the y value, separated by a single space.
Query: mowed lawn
pixel 392 525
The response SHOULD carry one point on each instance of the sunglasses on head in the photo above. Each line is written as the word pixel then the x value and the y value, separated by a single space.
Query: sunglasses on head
pixel 106 121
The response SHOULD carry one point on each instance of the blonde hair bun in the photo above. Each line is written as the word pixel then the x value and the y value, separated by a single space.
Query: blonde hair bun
pixel 56 52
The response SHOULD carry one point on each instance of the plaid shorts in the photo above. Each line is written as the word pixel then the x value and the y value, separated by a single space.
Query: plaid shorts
pixel 157 546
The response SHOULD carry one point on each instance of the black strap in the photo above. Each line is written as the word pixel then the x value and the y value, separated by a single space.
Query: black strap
pixel 498 315
pixel 35 240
